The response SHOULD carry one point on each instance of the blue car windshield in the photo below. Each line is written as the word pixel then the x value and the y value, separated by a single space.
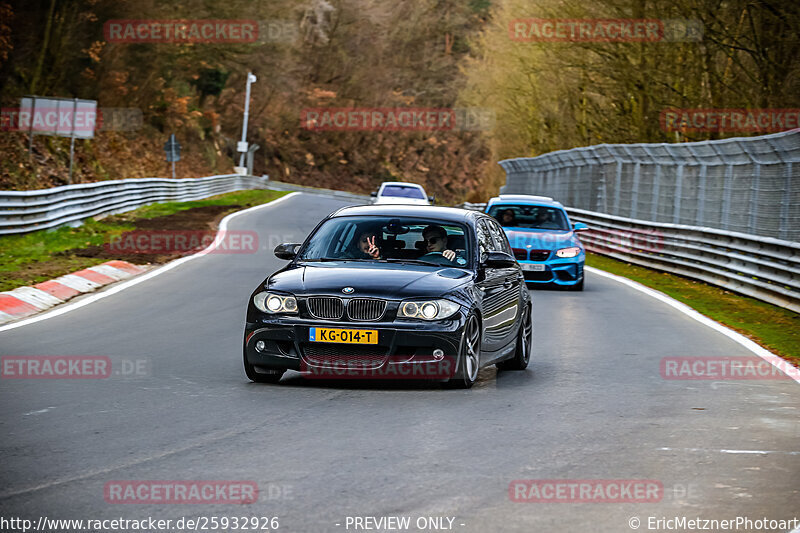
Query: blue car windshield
pixel 530 216
pixel 383 238
pixel 403 191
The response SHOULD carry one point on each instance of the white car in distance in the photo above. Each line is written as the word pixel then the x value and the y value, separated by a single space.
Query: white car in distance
pixel 398 192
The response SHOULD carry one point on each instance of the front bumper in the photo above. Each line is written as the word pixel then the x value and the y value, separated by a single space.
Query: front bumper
pixel 557 271
pixel 401 344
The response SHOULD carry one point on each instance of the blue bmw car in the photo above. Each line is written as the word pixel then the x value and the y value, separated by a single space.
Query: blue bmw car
pixel 545 243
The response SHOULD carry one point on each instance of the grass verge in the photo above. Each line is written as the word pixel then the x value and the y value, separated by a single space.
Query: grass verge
pixel 773 327
pixel 42 255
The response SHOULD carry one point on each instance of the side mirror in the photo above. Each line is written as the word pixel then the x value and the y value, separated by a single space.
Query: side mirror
pixel 374 194
pixel 287 250
pixel 499 260
pixel 580 226
pixel 432 198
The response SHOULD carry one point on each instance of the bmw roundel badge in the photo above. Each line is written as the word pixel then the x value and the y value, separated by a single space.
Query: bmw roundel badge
pixel 348 290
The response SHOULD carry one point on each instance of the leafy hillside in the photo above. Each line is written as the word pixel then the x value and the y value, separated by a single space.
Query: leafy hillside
pixel 339 54
pixel 376 54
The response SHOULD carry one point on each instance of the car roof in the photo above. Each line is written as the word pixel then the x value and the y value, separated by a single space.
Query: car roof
pixel 448 214
pixel 524 199
pixel 403 184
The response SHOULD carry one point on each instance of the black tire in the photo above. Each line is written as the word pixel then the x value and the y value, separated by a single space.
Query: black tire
pixel 522 354
pixel 469 358
pixel 578 286
pixel 272 376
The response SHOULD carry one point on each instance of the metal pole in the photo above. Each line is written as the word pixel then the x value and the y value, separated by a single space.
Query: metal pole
pixel 173 167
pixel 250 79
pixel 72 142
pixel 30 128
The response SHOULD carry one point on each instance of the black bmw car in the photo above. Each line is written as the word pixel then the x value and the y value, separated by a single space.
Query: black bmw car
pixel 392 291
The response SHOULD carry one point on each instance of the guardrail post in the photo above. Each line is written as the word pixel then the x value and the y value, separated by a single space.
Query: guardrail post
pixel 727 191
pixel 617 187
pixel 676 213
pixel 635 190
pixel 656 186
pixel 754 187
pixel 701 196
pixel 787 192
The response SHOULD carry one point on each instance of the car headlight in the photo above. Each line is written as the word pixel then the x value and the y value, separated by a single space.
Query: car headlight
pixel 568 252
pixel 428 310
pixel 272 303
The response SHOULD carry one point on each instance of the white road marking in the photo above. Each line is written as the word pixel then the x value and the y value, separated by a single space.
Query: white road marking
pixel 745 452
pixel 40 411
pixel 63 309
pixel 763 353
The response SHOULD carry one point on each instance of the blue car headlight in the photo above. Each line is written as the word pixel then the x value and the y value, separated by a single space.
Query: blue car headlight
pixel 568 252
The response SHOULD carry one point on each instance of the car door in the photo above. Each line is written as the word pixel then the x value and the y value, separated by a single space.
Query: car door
pixel 511 294
pixel 491 290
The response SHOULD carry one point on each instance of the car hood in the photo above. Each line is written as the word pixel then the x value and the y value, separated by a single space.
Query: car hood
pixel 541 239
pixel 390 281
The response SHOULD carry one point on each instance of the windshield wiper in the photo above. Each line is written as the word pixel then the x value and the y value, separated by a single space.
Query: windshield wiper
pixel 411 261
pixel 327 259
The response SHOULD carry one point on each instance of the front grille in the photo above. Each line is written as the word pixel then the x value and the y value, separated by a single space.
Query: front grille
pixel 365 309
pixel 537 276
pixel 344 356
pixel 326 308
pixel 540 255
pixel 520 254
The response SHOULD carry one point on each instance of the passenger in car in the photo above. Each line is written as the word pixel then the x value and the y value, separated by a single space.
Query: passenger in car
pixel 435 238
pixel 367 246
pixel 508 218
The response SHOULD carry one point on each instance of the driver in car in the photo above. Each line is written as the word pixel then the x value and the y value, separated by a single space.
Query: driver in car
pixel 544 221
pixel 435 238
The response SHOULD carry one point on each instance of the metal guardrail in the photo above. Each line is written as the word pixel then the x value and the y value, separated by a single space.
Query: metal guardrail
pixel 761 267
pixel 746 185
pixel 26 211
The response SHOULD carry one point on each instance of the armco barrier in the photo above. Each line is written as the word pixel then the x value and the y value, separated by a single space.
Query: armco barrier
pixel 760 267
pixel 746 185
pixel 26 211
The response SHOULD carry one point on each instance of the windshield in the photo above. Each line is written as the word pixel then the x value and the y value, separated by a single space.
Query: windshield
pixel 530 216
pixel 389 239
pixel 403 191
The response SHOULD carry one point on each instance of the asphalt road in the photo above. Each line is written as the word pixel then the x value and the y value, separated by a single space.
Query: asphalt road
pixel 592 405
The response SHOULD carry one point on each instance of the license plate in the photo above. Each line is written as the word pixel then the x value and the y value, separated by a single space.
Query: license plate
pixel 343 336
pixel 532 266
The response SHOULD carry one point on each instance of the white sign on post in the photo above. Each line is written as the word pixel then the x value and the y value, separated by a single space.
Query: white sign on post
pixel 58 116
pixel 63 117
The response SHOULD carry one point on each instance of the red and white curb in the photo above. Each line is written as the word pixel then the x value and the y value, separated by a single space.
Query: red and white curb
pixel 26 301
